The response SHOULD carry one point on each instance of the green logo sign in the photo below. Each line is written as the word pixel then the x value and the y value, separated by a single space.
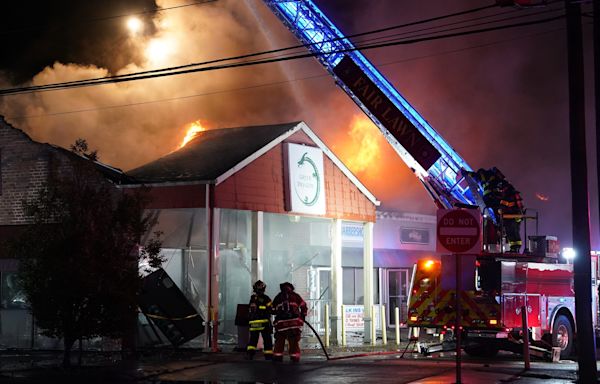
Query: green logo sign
pixel 308 181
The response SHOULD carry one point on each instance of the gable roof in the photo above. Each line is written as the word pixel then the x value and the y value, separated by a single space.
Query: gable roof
pixel 216 154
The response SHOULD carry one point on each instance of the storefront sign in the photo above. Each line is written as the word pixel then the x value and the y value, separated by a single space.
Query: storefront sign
pixel 352 233
pixel 353 317
pixel 387 113
pixel 414 236
pixel 306 183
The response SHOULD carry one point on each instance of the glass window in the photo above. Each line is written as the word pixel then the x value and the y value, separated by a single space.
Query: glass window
pixel 297 249
pixel 11 294
pixel 235 285
pixel 354 286
pixel 349 286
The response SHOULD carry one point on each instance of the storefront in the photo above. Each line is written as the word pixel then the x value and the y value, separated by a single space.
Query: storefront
pixel 272 203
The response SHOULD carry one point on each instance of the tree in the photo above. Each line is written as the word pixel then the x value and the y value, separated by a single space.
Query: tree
pixel 79 257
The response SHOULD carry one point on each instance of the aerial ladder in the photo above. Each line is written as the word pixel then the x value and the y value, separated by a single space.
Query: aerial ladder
pixel 435 163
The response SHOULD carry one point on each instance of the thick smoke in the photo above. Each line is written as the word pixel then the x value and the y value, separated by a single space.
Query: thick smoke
pixel 502 104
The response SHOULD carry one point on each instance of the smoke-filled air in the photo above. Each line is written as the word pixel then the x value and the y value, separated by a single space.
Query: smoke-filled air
pixel 498 99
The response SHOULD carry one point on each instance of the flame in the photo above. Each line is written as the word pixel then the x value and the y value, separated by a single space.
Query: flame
pixel 365 134
pixel 193 130
pixel 542 197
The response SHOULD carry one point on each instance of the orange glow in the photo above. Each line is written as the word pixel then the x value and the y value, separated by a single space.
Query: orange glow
pixel 193 130
pixel 428 264
pixel 364 133
pixel 542 197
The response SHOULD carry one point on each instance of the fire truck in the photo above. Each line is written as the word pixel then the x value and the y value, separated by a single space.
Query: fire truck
pixel 502 283
pixel 496 289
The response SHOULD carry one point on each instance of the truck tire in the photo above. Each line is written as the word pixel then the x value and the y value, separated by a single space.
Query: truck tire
pixel 562 336
pixel 481 350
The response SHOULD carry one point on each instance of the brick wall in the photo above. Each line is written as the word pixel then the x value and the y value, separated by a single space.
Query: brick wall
pixel 24 168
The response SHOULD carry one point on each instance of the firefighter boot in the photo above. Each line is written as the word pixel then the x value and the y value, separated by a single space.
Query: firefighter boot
pixel 250 354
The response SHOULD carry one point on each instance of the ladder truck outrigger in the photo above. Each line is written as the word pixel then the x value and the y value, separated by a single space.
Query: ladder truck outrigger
pixel 503 282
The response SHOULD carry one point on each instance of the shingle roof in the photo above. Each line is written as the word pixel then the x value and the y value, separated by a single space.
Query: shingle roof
pixel 210 154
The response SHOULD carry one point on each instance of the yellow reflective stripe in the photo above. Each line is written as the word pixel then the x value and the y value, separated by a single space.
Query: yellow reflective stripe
pixel 259 321
pixel 262 307
pixel 250 348
pixel 268 352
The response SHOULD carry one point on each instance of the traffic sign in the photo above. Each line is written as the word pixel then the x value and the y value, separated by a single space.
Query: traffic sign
pixel 459 230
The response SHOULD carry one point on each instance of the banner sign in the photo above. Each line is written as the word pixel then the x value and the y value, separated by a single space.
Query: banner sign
pixel 387 113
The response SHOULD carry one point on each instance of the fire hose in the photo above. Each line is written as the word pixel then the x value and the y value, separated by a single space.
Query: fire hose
pixel 351 356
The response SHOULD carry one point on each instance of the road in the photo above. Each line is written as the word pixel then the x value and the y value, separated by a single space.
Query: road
pixel 231 367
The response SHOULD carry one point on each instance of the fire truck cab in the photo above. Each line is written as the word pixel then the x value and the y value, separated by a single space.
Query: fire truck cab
pixel 495 289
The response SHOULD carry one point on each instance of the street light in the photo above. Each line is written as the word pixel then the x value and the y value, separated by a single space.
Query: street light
pixel 134 25
pixel 568 254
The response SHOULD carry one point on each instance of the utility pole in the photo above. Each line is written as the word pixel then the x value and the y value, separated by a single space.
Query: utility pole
pixel 596 43
pixel 582 265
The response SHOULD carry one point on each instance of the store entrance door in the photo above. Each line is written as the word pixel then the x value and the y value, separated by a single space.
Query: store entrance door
pixel 397 294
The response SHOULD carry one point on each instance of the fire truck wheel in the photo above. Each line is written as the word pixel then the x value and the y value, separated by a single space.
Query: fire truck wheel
pixel 562 336
pixel 481 350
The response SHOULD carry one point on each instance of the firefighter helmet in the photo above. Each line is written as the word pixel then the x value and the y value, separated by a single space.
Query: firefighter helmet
pixel 259 287
pixel 286 287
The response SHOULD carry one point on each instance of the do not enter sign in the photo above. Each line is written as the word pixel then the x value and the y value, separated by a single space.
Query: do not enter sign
pixel 459 230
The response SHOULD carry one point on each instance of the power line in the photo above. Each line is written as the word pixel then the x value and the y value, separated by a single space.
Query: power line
pixel 432 29
pixel 436 18
pixel 277 83
pixel 139 76
pixel 97 19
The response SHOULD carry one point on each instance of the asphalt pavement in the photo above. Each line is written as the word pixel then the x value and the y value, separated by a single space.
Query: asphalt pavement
pixel 359 365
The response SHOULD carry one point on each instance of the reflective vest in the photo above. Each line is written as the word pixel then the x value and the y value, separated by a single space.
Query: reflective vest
pixel 259 312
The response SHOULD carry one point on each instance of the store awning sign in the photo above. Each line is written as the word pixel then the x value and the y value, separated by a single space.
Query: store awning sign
pixel 306 180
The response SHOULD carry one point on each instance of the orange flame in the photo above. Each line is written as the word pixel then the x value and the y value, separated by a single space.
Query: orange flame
pixel 195 128
pixel 364 132
pixel 542 197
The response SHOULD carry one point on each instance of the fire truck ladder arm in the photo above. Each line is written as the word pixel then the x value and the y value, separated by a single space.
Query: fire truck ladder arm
pixel 425 152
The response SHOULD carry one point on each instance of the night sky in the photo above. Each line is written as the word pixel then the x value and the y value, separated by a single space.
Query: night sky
pixel 499 98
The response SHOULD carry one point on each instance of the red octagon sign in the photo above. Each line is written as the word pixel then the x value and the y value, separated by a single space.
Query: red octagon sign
pixel 459 230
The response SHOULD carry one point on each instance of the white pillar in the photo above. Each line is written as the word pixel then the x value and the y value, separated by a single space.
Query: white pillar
pixel 397 324
pixel 368 280
pixel 382 315
pixel 337 293
pixel 257 246
pixel 327 325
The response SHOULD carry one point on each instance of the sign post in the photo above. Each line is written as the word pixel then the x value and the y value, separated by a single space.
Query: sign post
pixel 458 232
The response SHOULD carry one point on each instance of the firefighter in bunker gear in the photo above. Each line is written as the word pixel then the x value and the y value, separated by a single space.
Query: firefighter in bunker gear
pixel 512 210
pixel 260 321
pixel 503 199
pixel 290 311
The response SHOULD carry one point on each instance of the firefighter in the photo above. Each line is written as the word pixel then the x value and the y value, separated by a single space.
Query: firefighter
pixel 503 199
pixel 290 312
pixel 260 321
pixel 511 204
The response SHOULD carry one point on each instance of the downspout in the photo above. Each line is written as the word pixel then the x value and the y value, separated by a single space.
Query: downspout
pixel 213 302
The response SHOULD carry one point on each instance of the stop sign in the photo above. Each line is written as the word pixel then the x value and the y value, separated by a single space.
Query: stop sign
pixel 459 230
